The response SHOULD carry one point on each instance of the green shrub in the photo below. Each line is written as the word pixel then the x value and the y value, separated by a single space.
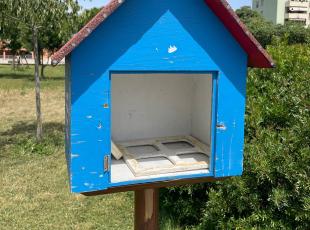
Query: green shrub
pixel 264 31
pixel 274 191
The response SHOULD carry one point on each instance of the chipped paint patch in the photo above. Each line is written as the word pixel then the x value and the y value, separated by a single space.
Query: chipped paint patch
pixel 74 156
pixel 172 49
pixel 99 125
pixel 78 142
pixel 221 126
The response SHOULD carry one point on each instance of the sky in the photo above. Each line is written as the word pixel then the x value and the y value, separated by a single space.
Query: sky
pixel 99 3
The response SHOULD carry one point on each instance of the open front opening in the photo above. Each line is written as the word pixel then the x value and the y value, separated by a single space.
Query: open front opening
pixel 161 125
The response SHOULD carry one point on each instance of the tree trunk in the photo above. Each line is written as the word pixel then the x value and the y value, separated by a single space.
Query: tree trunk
pixel 13 62
pixel 37 83
pixel 42 71
pixel 42 65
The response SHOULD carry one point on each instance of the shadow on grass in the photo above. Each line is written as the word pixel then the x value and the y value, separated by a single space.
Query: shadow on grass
pixel 22 128
pixel 20 139
pixel 27 76
pixel 27 73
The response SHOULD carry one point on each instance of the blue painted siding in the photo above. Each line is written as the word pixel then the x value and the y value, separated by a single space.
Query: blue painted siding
pixel 137 38
pixel 68 114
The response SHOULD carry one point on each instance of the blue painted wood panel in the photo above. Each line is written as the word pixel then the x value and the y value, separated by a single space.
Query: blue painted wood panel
pixel 173 35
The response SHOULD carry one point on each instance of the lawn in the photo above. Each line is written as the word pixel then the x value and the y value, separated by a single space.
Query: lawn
pixel 34 184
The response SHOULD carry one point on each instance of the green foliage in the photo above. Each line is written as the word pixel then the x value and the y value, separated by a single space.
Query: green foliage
pixel 10 33
pixel 86 16
pixel 37 13
pixel 264 31
pixel 274 191
pixel 247 14
pixel 55 20
pixel 184 204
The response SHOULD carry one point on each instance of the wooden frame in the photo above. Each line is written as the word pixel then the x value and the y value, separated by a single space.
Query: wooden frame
pixel 162 151
pixel 162 184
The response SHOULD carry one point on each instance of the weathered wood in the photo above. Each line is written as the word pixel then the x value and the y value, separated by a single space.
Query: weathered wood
pixel 116 152
pixel 161 184
pixel 147 209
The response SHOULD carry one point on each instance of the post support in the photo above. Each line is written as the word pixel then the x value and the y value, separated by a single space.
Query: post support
pixel 147 209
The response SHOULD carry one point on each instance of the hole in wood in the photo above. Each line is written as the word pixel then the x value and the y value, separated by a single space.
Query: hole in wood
pixel 154 162
pixel 142 149
pixel 193 157
pixel 178 145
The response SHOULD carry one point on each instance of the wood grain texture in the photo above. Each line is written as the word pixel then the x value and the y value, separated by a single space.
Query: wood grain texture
pixel 147 209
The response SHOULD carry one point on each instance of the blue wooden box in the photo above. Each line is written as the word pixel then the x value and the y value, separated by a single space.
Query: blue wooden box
pixel 147 69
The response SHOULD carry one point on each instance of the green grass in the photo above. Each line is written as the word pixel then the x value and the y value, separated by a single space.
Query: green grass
pixel 23 77
pixel 34 190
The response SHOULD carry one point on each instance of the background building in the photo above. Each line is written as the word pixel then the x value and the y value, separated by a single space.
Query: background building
pixel 280 11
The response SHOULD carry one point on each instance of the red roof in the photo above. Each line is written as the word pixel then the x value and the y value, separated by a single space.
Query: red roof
pixel 257 56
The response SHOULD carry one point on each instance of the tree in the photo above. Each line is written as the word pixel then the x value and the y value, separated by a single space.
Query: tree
pixel 53 35
pixel 246 14
pixel 262 30
pixel 265 31
pixel 35 15
pixel 86 16
pixel 9 32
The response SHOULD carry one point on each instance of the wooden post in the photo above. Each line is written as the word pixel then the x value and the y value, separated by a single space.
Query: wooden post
pixel 147 209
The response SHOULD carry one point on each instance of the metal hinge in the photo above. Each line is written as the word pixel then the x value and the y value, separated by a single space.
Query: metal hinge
pixel 106 164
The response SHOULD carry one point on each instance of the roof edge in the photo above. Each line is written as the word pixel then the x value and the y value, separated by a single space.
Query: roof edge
pixel 257 55
pixel 77 38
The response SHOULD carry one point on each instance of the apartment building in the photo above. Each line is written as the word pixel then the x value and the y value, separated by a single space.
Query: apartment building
pixel 280 11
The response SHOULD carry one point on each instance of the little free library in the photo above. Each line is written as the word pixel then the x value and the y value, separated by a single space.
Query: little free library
pixel 155 94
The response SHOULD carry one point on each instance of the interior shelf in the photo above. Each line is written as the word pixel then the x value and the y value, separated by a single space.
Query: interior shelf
pixel 160 157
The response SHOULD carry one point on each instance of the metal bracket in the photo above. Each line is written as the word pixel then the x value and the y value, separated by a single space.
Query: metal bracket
pixel 106 164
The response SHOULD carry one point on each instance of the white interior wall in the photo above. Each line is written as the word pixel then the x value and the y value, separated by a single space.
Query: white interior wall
pixel 201 108
pixel 158 105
